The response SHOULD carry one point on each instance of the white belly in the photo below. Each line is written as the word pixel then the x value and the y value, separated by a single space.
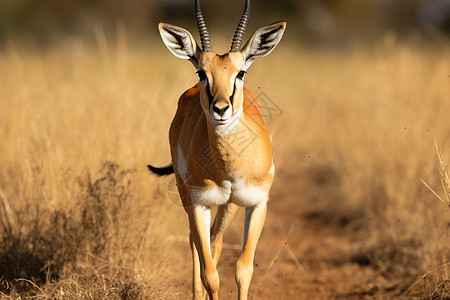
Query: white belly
pixel 216 195
pixel 249 195
pixel 237 192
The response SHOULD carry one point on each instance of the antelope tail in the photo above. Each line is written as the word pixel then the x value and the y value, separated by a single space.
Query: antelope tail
pixel 163 171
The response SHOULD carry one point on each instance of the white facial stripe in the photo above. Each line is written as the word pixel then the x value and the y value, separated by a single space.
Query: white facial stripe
pixel 239 83
pixel 232 82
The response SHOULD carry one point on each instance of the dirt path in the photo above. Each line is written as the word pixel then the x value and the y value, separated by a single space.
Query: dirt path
pixel 304 255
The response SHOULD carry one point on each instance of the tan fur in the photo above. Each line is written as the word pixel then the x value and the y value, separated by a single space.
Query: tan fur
pixel 221 153
pixel 190 130
pixel 212 159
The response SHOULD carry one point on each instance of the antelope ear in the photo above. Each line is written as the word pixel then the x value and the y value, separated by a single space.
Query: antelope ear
pixel 262 42
pixel 180 42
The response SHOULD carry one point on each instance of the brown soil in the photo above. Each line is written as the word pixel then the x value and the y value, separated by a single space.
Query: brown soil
pixel 311 248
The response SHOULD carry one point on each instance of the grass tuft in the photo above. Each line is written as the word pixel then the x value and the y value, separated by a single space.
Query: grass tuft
pixel 357 122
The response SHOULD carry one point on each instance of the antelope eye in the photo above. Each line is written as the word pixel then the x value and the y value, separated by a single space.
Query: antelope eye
pixel 241 75
pixel 201 75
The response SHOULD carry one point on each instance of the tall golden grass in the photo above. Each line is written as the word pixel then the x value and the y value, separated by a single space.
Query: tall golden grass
pixel 81 217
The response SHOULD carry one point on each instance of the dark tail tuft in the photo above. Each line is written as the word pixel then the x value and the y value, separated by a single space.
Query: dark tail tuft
pixel 163 171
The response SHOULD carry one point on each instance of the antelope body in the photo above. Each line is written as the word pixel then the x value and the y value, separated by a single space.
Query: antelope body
pixel 220 147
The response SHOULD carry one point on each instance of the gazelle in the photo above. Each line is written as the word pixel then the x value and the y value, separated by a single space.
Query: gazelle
pixel 220 146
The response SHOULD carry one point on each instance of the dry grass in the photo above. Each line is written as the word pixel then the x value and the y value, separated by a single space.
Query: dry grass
pixel 81 218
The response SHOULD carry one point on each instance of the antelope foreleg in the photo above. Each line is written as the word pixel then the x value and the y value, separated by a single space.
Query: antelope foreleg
pixel 199 223
pixel 254 222
pixel 225 214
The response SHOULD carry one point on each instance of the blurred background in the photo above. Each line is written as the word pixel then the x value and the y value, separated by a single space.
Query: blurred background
pixel 360 205
pixel 313 21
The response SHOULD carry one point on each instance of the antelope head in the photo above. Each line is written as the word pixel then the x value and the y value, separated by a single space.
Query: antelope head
pixel 221 76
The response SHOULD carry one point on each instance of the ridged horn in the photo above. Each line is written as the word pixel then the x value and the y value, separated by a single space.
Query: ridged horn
pixel 202 30
pixel 239 34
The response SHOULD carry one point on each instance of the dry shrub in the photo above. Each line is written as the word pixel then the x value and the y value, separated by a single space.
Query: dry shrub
pixel 442 291
pixel 104 206
pixel 73 251
pixel 95 284
pixel 64 214
pixel 37 244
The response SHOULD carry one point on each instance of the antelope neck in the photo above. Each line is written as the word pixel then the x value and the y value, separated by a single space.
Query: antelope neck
pixel 228 142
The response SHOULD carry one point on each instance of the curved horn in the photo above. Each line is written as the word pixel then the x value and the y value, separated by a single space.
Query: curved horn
pixel 202 30
pixel 239 34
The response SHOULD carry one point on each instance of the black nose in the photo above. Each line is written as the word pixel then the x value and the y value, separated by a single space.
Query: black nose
pixel 220 110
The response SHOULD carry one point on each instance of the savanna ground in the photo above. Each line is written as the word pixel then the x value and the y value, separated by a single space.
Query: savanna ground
pixel 349 218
